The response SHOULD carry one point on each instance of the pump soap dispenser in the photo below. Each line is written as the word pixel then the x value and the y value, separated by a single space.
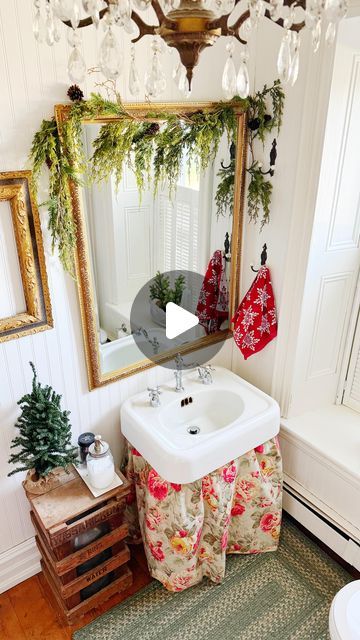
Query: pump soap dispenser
pixel 100 464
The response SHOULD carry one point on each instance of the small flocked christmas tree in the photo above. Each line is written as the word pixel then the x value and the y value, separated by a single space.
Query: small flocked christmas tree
pixel 44 440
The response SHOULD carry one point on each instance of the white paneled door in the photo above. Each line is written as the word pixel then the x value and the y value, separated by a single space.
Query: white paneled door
pixel 334 255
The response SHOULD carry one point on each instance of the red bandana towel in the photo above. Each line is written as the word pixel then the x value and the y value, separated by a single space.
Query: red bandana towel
pixel 213 304
pixel 255 322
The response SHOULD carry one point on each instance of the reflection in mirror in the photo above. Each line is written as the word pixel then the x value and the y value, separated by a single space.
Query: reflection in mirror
pixel 135 240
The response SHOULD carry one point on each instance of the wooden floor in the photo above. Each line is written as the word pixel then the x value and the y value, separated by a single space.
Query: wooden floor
pixel 27 613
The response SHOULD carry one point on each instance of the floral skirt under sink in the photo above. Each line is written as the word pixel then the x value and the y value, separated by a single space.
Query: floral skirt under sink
pixel 188 529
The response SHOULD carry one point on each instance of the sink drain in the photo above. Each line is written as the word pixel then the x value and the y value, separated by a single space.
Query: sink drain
pixel 193 430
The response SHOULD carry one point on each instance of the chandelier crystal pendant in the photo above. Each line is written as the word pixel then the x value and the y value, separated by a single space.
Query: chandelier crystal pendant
pixel 189 26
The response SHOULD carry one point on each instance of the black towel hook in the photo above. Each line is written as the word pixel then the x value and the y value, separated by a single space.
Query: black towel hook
pixel 232 152
pixel 227 243
pixel 263 259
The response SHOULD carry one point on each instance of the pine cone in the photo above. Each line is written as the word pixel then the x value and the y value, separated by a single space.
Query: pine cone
pixel 153 129
pixel 75 94
pixel 147 130
pixel 254 124
pixel 267 118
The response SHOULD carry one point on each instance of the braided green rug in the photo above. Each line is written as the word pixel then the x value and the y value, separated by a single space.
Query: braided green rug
pixel 284 595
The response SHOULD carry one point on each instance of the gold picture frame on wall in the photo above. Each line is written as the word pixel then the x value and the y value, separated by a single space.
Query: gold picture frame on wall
pixel 82 262
pixel 37 315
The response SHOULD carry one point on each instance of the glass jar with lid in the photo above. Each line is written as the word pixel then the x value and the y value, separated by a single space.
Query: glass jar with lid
pixel 100 464
pixel 84 441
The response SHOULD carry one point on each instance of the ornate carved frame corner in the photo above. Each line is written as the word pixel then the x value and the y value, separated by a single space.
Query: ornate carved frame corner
pixel 15 188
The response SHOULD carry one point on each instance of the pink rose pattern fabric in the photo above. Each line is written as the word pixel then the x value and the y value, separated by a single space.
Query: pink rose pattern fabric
pixel 188 529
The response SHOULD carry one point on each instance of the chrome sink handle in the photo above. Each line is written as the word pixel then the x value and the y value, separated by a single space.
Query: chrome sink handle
pixel 154 395
pixel 205 373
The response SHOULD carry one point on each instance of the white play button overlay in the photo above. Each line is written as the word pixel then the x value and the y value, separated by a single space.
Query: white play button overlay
pixel 158 330
pixel 178 320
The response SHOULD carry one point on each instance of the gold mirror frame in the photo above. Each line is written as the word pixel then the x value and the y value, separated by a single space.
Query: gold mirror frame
pixel 15 189
pixel 83 272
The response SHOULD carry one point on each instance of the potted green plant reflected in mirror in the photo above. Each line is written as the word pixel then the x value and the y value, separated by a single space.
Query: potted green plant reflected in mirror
pixel 161 293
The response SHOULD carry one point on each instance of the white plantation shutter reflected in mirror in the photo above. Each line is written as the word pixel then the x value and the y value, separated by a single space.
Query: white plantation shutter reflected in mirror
pixel 352 390
pixel 179 231
pixel 179 237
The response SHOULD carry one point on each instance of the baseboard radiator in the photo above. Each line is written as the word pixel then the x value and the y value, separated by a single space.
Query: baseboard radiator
pixel 321 526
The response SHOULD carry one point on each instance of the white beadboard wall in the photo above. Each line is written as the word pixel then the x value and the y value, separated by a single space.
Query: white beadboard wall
pixel 33 78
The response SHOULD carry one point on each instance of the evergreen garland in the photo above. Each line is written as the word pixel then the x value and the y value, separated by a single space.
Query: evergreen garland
pixel 261 123
pixel 46 148
pixel 154 152
pixel 224 195
pixel 44 440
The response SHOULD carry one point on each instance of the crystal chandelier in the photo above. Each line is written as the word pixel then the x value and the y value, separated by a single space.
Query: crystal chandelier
pixel 188 26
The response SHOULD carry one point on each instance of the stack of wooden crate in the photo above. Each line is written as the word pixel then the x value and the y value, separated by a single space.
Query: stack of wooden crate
pixel 81 542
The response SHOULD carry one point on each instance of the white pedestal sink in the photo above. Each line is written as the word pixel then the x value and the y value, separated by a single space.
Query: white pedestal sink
pixel 218 423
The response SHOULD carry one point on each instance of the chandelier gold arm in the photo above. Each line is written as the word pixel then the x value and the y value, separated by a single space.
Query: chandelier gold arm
pixel 230 30
pixel 233 29
pixel 192 27
pixel 219 23
pixel 151 29
pixel 163 20
pixel 297 26
pixel 144 28
pixel 86 22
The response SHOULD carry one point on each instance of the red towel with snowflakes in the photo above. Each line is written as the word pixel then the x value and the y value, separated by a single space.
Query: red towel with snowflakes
pixel 213 304
pixel 255 321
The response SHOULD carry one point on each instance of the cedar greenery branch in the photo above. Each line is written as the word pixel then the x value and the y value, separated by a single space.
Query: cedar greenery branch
pixel 153 146
pixel 261 123
pixel 44 440
pixel 265 113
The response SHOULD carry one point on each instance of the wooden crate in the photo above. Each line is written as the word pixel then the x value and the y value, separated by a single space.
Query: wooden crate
pixel 60 517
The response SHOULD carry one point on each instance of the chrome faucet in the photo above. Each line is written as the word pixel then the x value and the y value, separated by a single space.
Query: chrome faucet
pixel 205 373
pixel 180 365
pixel 153 342
pixel 178 373
pixel 178 380
pixel 154 394
pixel 123 328
pixel 155 345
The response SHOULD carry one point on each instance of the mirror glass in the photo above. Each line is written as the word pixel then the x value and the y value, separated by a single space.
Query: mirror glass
pixel 145 250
